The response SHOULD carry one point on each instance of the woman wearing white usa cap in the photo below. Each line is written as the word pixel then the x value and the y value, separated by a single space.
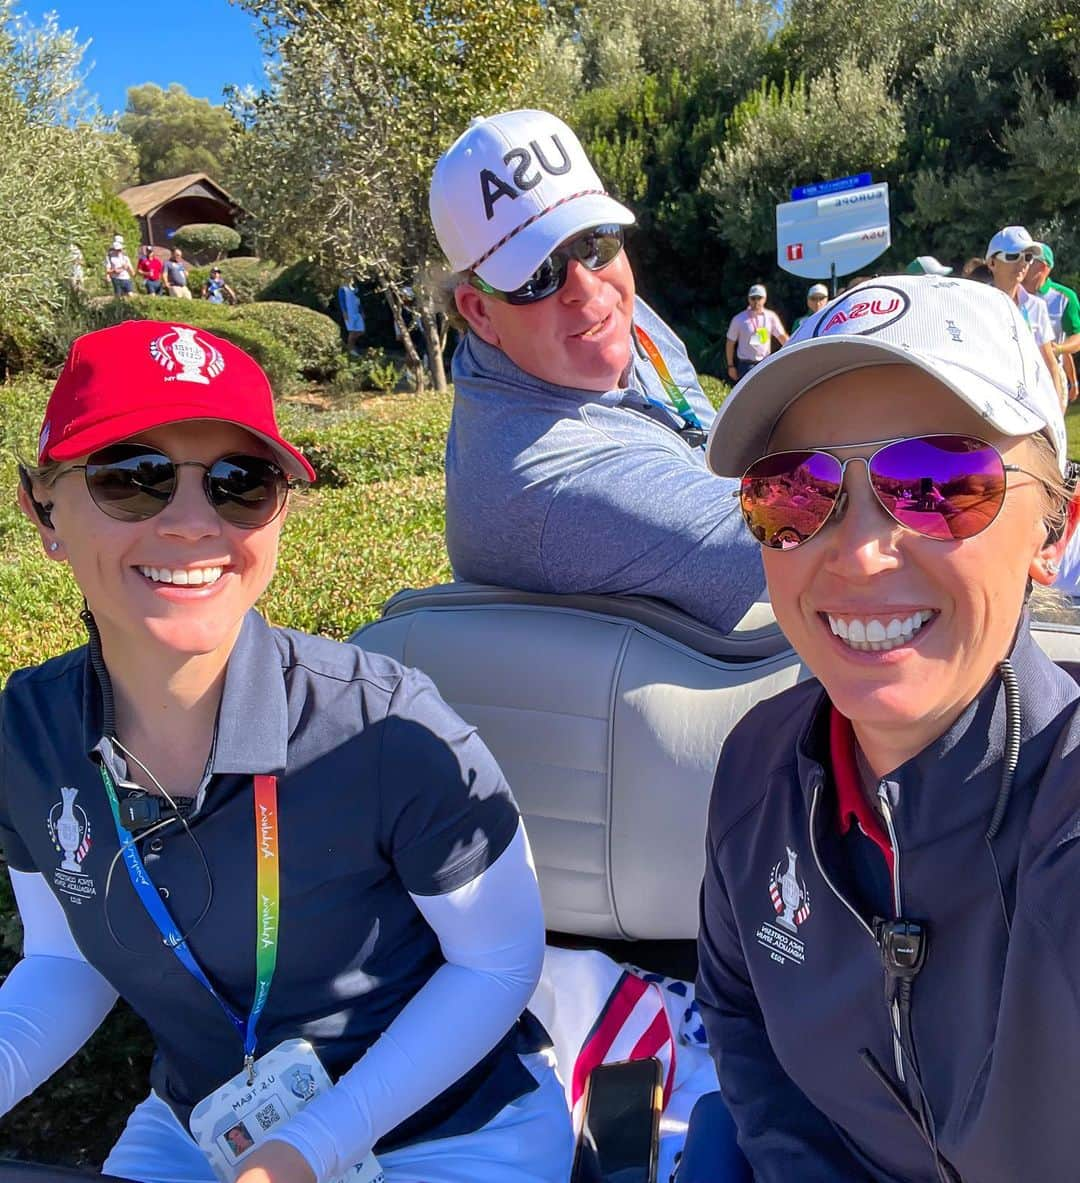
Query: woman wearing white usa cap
pixel 290 857
pixel 888 969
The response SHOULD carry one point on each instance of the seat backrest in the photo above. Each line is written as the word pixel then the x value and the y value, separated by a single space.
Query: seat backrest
pixel 607 722
pixel 607 729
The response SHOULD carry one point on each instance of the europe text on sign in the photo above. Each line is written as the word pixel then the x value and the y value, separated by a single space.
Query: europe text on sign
pixel 847 229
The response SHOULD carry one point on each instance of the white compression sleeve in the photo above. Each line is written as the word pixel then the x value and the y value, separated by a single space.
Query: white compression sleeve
pixel 52 1001
pixel 491 932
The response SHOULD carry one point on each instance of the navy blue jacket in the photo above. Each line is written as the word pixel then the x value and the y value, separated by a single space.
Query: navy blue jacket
pixel 792 984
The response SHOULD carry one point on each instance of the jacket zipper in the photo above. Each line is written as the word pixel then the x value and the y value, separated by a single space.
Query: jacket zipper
pixel 898 911
pixel 894 1015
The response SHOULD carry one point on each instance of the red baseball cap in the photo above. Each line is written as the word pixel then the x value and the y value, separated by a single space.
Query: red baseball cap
pixel 142 374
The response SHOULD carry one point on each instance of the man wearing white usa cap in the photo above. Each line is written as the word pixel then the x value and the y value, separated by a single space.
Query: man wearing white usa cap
pixel 574 461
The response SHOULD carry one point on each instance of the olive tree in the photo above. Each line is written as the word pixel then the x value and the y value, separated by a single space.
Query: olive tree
pixel 55 160
pixel 363 97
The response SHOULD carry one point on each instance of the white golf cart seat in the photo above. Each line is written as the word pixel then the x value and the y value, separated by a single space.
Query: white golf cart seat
pixel 606 715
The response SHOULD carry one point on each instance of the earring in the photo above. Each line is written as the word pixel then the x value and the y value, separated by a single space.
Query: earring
pixel 54 547
pixel 1052 568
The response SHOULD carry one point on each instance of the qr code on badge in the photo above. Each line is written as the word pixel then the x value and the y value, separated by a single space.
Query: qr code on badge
pixel 267 1116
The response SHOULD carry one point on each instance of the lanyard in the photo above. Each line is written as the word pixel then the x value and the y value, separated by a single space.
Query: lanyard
pixel 694 432
pixel 267 908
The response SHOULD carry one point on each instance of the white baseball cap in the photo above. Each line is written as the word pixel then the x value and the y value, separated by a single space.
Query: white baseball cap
pixel 509 190
pixel 969 336
pixel 817 289
pixel 117 242
pixel 1011 238
pixel 756 289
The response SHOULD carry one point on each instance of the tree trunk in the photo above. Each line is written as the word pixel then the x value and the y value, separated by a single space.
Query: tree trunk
pixel 434 339
pixel 413 363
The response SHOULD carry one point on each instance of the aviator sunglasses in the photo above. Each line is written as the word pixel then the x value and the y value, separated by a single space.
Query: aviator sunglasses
pixel 133 482
pixel 948 487
pixel 593 249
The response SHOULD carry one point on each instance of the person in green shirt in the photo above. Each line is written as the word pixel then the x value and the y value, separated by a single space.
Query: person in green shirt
pixel 816 299
pixel 1064 307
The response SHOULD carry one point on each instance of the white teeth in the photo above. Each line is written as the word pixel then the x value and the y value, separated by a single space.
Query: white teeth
pixel 871 634
pixel 183 576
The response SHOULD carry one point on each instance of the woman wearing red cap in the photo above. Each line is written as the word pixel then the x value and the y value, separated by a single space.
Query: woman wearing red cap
pixel 289 856
pixel 888 969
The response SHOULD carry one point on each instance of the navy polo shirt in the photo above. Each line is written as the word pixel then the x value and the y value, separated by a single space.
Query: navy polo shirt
pixel 382 790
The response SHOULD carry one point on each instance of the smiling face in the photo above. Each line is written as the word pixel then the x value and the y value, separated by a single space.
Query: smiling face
pixel 1008 275
pixel 178 584
pixel 578 337
pixel 956 604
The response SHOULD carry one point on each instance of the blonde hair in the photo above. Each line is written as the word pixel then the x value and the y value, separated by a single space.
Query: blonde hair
pixel 1049 603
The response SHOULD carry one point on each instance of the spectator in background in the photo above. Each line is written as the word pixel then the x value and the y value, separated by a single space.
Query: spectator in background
pixel 149 267
pixel 1064 308
pixel 816 299
pixel 751 332
pixel 1008 256
pixel 118 269
pixel 975 268
pixel 928 265
pixel 216 290
pixel 176 275
pixel 77 273
pixel 352 315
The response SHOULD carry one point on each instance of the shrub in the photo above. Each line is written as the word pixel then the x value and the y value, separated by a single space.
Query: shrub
pixel 206 240
pixel 304 283
pixel 281 364
pixel 313 337
pixel 715 390
pixel 245 274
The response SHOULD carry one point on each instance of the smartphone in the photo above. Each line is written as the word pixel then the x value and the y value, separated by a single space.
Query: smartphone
pixel 620 1134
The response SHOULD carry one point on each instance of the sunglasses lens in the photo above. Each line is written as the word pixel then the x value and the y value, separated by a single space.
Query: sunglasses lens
pixel 247 491
pixel 130 482
pixel 947 487
pixel 788 496
pixel 597 247
pixel 544 281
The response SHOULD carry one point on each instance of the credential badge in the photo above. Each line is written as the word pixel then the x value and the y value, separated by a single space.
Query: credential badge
pixel 186 356
pixel 791 904
pixel 69 829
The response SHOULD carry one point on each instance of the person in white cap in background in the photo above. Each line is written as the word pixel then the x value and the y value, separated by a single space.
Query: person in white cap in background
pixel 1064 308
pixel 750 333
pixel 574 461
pixel 888 973
pixel 1008 256
pixel 816 299
pixel 927 265
pixel 118 269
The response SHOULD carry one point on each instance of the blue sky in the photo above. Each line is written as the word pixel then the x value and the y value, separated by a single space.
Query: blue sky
pixel 202 44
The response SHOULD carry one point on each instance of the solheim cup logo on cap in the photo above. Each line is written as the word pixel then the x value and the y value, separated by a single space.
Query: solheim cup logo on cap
pixel 179 348
pixel 791 903
pixel 868 309
pixel 69 829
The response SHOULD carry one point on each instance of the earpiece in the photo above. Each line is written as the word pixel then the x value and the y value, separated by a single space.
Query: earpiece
pixel 42 511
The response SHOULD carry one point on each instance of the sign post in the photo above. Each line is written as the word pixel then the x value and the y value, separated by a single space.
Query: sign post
pixel 833 228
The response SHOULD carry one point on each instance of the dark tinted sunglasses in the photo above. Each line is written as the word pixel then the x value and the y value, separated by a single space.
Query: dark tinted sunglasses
pixel 132 482
pixel 947 487
pixel 1012 256
pixel 593 249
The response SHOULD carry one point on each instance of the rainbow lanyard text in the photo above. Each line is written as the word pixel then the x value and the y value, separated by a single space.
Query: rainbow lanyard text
pixel 268 907
pixel 671 387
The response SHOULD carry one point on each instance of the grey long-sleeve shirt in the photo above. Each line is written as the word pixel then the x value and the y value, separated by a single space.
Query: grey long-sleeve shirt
pixel 553 489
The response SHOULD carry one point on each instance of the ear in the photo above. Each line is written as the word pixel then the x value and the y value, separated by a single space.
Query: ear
pixel 1045 565
pixel 37 514
pixel 473 306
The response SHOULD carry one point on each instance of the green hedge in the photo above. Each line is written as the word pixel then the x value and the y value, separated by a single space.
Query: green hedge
pixel 281 364
pixel 206 239
pixel 313 337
